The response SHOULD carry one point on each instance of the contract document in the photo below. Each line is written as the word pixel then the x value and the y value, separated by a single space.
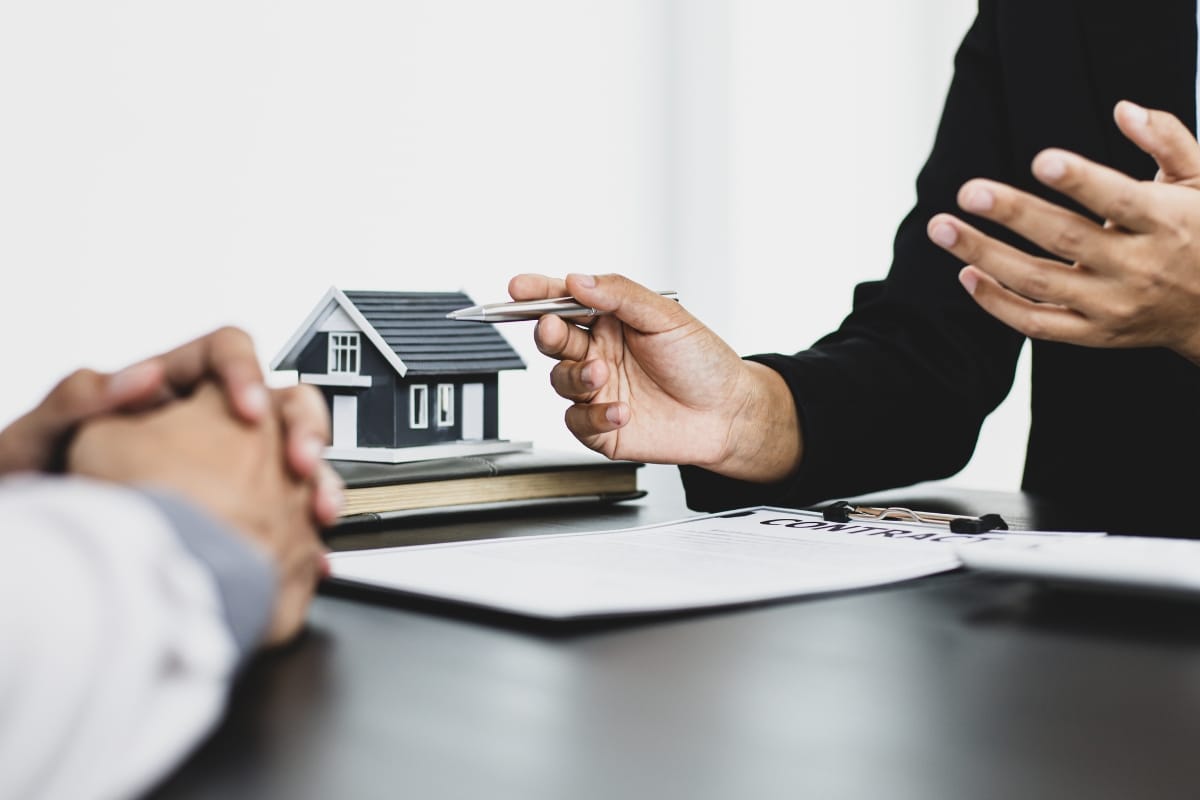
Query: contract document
pixel 737 557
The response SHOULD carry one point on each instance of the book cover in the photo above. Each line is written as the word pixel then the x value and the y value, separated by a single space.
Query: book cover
pixel 484 482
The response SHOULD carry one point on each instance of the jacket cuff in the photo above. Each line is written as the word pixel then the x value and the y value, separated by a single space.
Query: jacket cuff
pixel 708 491
pixel 244 576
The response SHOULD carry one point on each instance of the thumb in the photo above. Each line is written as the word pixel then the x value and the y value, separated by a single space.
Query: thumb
pixel 1162 136
pixel 635 305
pixel 86 393
pixel 34 441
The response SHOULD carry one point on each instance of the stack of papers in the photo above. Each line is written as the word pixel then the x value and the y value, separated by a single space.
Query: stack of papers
pixel 745 556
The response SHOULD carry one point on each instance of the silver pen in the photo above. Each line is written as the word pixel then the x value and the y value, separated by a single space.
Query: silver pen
pixel 530 309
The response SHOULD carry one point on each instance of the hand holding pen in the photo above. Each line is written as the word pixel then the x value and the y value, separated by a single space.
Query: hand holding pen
pixel 650 382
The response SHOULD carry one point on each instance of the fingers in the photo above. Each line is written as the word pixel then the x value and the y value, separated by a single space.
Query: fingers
pixel 37 440
pixel 1036 278
pixel 135 385
pixel 306 422
pixel 588 420
pixel 1055 229
pixel 1035 320
pixel 301 571
pixel 529 286
pixel 329 495
pixel 1111 194
pixel 578 381
pixel 1162 136
pixel 557 338
pixel 306 430
pixel 634 304
pixel 553 336
pixel 228 355
pixel 86 393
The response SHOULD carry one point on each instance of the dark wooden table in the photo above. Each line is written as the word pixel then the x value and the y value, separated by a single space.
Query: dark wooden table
pixel 955 686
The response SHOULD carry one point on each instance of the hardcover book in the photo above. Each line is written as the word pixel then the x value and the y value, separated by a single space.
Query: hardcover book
pixel 483 482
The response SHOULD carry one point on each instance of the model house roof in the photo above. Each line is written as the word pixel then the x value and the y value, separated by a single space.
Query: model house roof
pixel 410 330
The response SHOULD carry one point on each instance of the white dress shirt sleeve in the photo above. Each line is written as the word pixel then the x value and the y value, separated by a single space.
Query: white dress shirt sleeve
pixel 123 617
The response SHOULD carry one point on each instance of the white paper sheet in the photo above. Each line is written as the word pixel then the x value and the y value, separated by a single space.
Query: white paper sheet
pixel 713 560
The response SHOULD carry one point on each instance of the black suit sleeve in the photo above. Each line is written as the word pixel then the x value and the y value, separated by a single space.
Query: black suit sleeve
pixel 898 393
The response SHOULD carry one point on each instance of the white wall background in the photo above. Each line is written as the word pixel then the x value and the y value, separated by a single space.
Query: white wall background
pixel 169 167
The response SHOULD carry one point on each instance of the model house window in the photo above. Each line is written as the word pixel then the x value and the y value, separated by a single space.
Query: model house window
pixel 343 352
pixel 418 406
pixel 445 416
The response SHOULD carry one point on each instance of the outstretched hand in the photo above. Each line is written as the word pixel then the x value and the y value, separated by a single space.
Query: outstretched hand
pixel 1132 281
pixel 649 382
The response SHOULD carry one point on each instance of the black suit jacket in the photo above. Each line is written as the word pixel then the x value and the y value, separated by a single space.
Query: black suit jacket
pixel 898 393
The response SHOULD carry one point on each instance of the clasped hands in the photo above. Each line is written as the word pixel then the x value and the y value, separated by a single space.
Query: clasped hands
pixel 1130 281
pixel 200 422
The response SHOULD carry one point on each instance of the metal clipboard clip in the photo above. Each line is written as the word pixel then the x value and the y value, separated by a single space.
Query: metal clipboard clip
pixel 841 511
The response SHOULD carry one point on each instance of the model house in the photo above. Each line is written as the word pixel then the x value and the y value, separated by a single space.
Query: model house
pixel 403 382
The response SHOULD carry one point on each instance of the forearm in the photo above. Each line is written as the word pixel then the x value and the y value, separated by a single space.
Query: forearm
pixel 118 642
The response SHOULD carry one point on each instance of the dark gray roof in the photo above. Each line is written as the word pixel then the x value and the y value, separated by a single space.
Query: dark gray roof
pixel 414 325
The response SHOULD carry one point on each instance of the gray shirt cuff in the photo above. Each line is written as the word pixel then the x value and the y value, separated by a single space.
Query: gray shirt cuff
pixel 244 576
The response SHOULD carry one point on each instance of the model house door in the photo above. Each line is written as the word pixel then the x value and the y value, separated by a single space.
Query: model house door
pixel 472 411
pixel 345 420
